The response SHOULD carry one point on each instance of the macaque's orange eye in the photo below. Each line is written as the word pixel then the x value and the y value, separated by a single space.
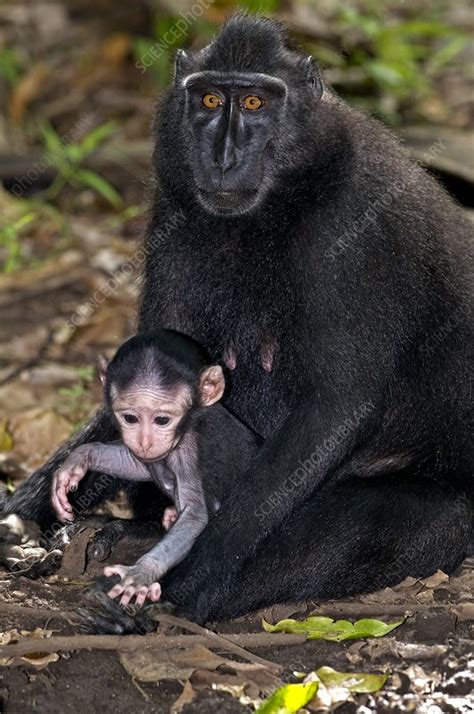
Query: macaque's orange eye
pixel 251 102
pixel 162 420
pixel 212 101
pixel 130 418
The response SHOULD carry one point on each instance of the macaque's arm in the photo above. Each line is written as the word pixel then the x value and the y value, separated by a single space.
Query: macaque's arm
pixel 114 459
pixel 142 579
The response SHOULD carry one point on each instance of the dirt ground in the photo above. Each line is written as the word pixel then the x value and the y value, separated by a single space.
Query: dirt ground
pixel 428 658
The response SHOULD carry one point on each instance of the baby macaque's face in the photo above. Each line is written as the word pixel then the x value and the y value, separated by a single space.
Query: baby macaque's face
pixel 148 418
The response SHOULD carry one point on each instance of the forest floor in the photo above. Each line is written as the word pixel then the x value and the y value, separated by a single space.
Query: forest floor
pixel 428 658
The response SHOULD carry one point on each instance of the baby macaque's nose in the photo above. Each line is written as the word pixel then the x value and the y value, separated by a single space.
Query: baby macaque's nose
pixel 145 444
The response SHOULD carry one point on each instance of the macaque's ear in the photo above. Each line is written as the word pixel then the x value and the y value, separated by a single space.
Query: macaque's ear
pixel 211 385
pixel 183 65
pixel 103 363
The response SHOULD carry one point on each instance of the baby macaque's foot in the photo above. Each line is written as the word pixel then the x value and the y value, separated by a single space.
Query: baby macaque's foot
pixel 169 517
pixel 137 581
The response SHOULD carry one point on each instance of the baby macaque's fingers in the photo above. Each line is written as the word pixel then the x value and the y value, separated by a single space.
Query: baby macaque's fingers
pixel 141 595
pixel 128 594
pixel 154 592
pixel 116 591
pixel 169 517
pixel 61 492
pixel 61 505
pixel 115 570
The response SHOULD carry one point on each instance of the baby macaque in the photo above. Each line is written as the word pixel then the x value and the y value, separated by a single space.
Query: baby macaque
pixel 163 393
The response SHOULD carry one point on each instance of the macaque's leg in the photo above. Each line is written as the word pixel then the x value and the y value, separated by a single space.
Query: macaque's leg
pixel 326 549
pixel 147 504
pixel 120 529
pixel 169 517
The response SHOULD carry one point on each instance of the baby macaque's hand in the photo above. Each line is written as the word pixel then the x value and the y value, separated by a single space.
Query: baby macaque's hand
pixel 169 517
pixel 138 581
pixel 66 479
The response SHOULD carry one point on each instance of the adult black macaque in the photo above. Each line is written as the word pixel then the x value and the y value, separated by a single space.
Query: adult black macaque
pixel 331 275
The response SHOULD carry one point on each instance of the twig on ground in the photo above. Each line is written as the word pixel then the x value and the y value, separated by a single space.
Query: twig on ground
pixel 131 643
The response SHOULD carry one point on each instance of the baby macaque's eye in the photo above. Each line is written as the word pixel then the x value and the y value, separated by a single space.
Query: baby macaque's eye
pixel 130 418
pixel 162 420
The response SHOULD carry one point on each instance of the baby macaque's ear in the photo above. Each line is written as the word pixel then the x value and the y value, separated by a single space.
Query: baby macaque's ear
pixel 211 385
pixel 103 363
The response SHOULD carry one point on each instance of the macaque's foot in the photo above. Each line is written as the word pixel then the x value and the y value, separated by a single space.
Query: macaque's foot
pixel 169 517
pixel 103 615
pixel 136 581
pixel 16 530
pixel 114 531
pixel 22 550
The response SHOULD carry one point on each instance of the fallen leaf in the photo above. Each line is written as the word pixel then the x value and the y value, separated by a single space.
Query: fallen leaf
pixel 74 560
pixel 360 682
pixel 325 628
pixel 434 580
pixel 27 90
pixel 36 432
pixel 35 658
pixel 180 664
pixel 464 611
pixel 6 441
pixel 289 698
pixel 186 697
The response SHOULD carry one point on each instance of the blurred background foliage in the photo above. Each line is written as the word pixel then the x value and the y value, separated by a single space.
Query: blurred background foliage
pixel 78 80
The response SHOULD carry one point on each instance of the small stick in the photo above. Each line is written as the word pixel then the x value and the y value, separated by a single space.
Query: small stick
pixel 131 643
pixel 219 640
pixel 12 607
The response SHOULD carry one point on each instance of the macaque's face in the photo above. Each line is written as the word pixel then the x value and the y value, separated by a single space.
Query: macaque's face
pixel 148 418
pixel 148 415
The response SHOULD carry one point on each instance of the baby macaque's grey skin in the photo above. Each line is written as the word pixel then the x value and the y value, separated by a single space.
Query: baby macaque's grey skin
pixel 173 433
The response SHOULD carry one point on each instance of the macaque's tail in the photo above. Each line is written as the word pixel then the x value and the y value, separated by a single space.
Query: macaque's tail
pixel 31 500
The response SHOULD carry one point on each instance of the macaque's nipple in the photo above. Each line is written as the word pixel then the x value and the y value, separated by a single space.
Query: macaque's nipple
pixel 267 353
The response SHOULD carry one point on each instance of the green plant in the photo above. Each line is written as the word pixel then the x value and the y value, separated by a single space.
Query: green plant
pixel 68 159
pixel 155 54
pixel 10 234
pixel 398 56
pixel 10 65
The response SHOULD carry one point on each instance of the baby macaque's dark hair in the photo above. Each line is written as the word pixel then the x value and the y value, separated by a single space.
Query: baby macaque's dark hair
pixel 166 355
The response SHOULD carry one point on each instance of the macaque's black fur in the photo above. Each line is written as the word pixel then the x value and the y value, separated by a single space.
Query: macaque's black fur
pixel 357 265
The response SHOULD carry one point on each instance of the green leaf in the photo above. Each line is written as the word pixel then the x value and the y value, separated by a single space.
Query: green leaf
pixel 259 6
pixel 99 184
pixel 97 136
pixel 52 139
pixel 289 699
pixel 447 53
pixel 325 628
pixel 360 682
pixel 6 440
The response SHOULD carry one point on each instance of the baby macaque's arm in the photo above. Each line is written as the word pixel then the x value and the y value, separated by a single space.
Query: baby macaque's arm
pixel 142 579
pixel 114 459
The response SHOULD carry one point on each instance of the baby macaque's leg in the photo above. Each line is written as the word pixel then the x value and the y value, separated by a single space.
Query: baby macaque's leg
pixel 169 517
pixel 142 579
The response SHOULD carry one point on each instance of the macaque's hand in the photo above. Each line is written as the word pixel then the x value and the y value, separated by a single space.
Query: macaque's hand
pixel 137 581
pixel 66 479
pixel 170 516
